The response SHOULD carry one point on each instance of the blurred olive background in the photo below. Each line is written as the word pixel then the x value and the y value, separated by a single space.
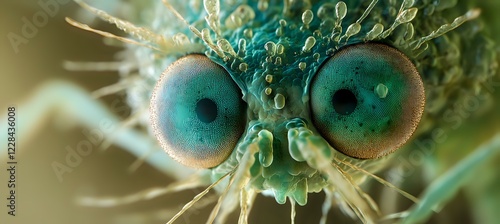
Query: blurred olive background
pixel 43 199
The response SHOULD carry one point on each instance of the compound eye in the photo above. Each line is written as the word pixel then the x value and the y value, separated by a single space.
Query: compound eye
pixel 367 100
pixel 197 112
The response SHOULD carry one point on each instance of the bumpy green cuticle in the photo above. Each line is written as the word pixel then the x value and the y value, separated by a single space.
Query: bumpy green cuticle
pixel 274 51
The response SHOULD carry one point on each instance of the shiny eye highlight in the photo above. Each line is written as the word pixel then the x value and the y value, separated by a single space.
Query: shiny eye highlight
pixel 367 100
pixel 197 112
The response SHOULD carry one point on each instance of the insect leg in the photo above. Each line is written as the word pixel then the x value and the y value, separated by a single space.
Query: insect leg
pixel 63 99
pixel 449 183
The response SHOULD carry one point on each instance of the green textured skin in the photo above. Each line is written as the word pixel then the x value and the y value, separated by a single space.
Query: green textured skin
pixel 452 66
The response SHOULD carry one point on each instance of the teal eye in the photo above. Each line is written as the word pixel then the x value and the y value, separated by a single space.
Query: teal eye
pixel 197 112
pixel 367 100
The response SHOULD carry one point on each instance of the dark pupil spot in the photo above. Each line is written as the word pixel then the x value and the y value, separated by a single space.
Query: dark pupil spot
pixel 206 110
pixel 344 102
